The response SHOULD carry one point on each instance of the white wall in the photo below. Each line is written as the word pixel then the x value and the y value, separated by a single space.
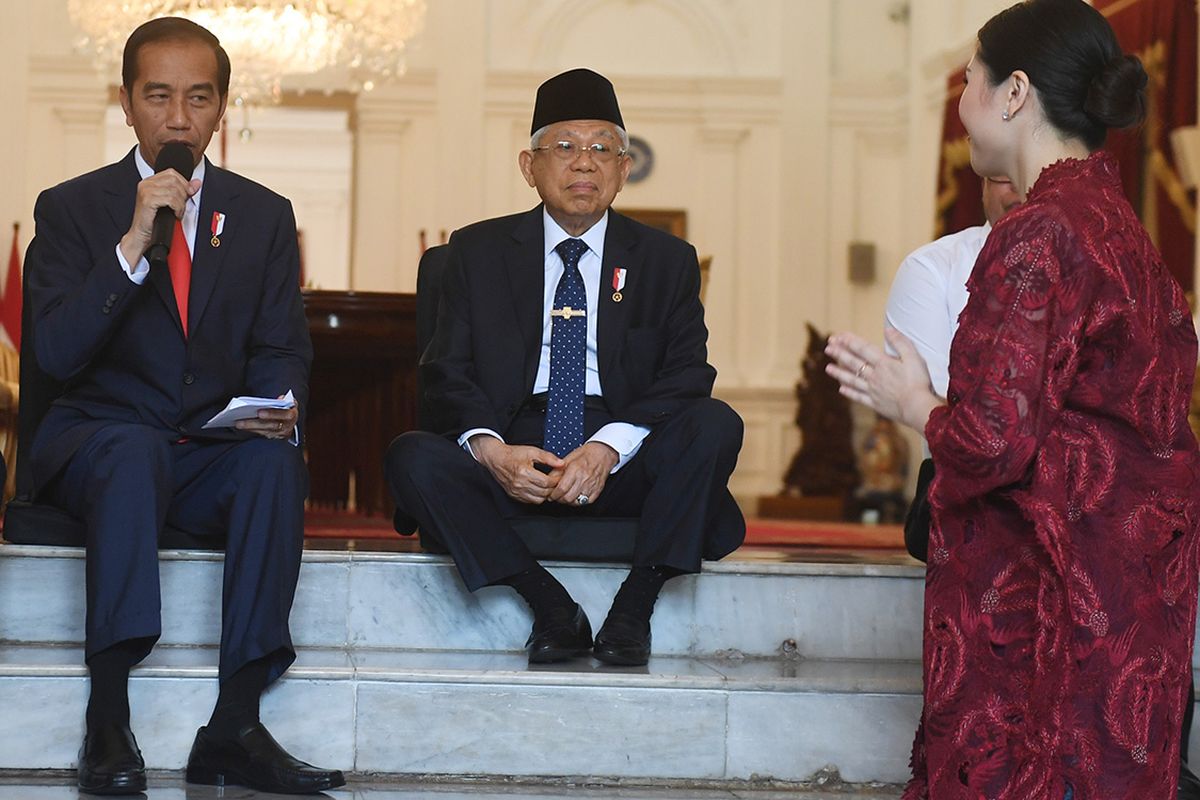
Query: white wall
pixel 785 128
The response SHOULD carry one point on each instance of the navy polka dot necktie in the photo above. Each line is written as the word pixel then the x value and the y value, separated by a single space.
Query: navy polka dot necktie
pixel 568 354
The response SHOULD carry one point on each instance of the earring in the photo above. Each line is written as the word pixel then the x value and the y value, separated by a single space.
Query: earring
pixel 1004 116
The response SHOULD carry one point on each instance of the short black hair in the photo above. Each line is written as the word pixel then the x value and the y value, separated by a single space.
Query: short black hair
pixel 1085 82
pixel 172 29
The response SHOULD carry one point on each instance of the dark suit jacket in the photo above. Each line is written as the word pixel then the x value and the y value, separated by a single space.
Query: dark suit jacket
pixel 651 347
pixel 119 348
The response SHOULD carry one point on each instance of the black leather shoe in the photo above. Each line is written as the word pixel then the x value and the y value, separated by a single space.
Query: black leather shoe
pixel 110 762
pixel 253 758
pixel 623 641
pixel 1189 784
pixel 560 636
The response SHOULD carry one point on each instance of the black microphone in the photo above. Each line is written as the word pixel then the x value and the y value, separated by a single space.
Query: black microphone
pixel 178 157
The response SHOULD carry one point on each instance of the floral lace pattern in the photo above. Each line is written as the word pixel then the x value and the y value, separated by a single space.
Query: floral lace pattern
pixel 1060 596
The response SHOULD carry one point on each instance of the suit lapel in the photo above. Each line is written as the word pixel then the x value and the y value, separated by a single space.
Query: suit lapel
pixel 525 265
pixel 620 252
pixel 124 197
pixel 123 192
pixel 207 258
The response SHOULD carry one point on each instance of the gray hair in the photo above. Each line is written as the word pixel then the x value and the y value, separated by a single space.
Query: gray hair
pixel 536 140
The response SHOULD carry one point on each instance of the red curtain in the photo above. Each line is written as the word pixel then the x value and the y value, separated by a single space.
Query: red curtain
pixel 959 204
pixel 1163 34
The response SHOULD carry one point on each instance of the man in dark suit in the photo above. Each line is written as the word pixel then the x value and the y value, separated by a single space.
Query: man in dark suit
pixel 569 368
pixel 148 353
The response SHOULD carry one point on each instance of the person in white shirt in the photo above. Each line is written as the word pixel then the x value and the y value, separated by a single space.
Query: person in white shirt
pixel 928 293
pixel 930 288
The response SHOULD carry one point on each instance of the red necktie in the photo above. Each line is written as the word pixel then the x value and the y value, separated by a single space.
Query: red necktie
pixel 179 261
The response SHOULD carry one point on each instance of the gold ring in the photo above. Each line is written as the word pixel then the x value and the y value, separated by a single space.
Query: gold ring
pixel 279 426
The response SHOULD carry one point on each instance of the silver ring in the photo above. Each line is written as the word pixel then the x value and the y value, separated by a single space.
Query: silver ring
pixel 582 500
pixel 861 367
pixel 279 426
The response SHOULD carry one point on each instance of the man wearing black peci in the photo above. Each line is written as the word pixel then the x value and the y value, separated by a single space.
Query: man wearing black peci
pixel 569 367
pixel 147 352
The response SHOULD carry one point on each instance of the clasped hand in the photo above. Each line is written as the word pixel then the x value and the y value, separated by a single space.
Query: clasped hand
pixel 896 387
pixel 581 472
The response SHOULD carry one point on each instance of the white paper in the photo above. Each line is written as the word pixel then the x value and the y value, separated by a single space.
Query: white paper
pixel 247 408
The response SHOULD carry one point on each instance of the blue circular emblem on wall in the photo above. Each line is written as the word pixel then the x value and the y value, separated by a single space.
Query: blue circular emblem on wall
pixel 643 159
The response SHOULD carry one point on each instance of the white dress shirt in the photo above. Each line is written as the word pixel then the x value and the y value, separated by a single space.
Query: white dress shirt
pixel 928 294
pixel 625 438
pixel 191 215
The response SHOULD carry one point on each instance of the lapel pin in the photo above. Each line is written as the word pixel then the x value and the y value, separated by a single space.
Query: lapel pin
pixel 218 225
pixel 618 284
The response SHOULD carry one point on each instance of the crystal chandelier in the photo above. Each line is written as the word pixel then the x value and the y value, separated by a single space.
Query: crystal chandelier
pixel 268 39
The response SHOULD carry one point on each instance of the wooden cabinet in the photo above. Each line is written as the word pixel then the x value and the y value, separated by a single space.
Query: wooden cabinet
pixel 363 393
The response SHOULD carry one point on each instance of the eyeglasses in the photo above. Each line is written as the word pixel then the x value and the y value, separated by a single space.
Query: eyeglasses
pixel 568 151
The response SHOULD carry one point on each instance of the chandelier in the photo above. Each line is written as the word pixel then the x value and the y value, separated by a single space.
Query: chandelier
pixel 363 40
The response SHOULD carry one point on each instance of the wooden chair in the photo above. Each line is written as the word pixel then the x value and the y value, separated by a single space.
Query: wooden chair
pixel 555 538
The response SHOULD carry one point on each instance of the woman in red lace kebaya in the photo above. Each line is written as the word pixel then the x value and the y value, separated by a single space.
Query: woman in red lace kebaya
pixel 1061 589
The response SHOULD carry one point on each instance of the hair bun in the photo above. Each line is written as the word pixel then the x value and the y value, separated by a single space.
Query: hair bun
pixel 1116 97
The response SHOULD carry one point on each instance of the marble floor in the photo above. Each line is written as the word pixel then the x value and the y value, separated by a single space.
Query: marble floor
pixel 169 786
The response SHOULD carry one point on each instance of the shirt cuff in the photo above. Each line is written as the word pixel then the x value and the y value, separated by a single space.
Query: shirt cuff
pixel 464 441
pixel 136 274
pixel 624 437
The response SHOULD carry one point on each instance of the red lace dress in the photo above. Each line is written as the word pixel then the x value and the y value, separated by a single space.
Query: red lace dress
pixel 1060 597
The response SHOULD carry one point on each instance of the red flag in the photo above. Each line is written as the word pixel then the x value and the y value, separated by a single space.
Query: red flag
pixel 959 196
pixel 10 308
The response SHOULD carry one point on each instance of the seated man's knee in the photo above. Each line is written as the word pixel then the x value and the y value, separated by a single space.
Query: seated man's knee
pixel 263 457
pixel 719 423
pixel 115 460
pixel 129 447
pixel 414 450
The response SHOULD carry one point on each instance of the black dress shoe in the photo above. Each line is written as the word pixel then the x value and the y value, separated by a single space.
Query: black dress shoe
pixel 110 762
pixel 253 758
pixel 623 641
pixel 560 636
pixel 1189 784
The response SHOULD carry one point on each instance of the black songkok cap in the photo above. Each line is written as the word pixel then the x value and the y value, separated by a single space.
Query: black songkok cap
pixel 577 94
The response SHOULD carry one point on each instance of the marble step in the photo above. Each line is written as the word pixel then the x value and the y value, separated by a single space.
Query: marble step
pixel 739 606
pixel 169 786
pixel 490 714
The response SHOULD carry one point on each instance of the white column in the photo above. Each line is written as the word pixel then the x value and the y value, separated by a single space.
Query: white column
pixel 67 99
pixel 718 218
pixel 458 28
pixel 805 173
pixel 14 65
pixel 379 239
